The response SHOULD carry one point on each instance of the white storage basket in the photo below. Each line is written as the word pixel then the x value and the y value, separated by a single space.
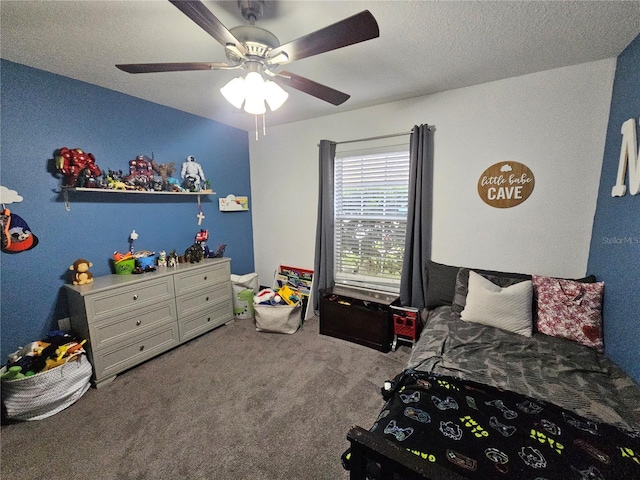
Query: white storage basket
pixel 278 318
pixel 244 288
pixel 46 393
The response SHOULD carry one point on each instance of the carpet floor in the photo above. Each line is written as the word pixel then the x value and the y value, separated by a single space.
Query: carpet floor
pixel 231 404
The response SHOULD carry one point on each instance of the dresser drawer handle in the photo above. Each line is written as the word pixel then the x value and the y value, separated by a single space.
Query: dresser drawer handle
pixel 205 277
pixel 135 297
pixel 208 319
pixel 138 323
pixel 207 299
pixel 141 347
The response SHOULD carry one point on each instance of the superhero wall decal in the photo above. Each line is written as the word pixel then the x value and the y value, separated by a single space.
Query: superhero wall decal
pixel 15 233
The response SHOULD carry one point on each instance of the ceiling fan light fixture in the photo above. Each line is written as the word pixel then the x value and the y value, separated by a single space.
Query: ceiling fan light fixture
pixel 255 105
pixel 274 95
pixel 234 92
pixel 253 91
pixel 253 83
pixel 254 94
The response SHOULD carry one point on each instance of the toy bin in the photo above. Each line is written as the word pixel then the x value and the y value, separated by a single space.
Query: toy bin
pixel 125 266
pixel 278 318
pixel 46 393
pixel 146 262
pixel 244 288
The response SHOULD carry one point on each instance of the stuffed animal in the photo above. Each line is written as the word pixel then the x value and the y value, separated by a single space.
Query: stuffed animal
pixel 32 349
pixel 13 373
pixel 267 296
pixel 81 275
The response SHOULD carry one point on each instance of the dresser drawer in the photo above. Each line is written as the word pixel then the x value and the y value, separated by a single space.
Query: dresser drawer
pixel 135 322
pixel 203 300
pixel 117 300
pixel 113 360
pixel 194 325
pixel 202 277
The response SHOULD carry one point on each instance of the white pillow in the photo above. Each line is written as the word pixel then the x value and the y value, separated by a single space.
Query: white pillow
pixel 507 308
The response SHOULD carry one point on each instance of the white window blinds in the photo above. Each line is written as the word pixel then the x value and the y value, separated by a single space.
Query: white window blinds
pixel 371 193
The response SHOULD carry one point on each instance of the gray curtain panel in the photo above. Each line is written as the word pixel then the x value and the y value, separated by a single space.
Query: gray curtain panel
pixel 323 263
pixel 417 249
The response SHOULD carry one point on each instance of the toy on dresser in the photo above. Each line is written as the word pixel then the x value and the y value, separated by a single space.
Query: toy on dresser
pixel 81 273
pixel 172 259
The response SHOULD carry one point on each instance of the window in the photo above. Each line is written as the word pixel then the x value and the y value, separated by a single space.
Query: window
pixel 371 194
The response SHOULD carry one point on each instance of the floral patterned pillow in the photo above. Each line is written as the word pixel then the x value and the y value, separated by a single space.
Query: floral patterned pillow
pixel 570 309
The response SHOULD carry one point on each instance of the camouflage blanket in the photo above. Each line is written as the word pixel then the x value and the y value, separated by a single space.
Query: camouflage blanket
pixel 483 432
pixel 551 369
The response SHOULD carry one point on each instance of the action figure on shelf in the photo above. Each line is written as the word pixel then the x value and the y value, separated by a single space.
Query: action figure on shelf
pixel 140 173
pixel 192 175
pixel 71 162
pixel 165 170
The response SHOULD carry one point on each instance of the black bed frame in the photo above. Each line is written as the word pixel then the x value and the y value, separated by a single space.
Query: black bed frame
pixel 394 461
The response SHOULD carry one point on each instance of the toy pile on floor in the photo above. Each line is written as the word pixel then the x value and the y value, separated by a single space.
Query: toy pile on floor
pixel 278 310
pixel 56 349
pixel 283 296
pixel 44 377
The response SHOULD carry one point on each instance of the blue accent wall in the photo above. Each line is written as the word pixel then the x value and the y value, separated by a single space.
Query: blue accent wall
pixel 42 112
pixel 614 255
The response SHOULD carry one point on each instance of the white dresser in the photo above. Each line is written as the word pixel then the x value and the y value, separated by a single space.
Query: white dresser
pixel 128 319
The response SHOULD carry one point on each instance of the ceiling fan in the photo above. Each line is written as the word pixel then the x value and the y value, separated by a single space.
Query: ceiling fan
pixel 257 51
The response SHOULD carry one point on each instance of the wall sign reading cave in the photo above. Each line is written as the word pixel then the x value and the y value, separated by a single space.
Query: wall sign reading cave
pixel 506 184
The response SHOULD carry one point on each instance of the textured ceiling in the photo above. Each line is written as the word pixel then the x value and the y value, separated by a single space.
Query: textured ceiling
pixel 424 46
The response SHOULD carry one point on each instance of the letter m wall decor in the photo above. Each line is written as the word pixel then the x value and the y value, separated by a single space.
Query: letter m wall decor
pixel 629 156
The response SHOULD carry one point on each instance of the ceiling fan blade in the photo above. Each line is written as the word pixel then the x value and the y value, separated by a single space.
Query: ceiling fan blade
pixel 172 67
pixel 305 85
pixel 355 29
pixel 196 11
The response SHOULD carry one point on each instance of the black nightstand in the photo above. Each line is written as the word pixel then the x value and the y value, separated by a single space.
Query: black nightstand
pixel 357 316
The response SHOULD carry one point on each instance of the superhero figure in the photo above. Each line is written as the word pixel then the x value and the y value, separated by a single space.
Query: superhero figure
pixel 140 172
pixel 192 174
pixel 71 162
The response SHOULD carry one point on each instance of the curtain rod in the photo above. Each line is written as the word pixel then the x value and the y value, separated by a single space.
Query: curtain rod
pixel 372 138
pixel 375 138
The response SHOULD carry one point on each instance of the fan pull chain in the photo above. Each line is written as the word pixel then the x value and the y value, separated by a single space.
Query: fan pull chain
pixel 256 118
pixel 264 126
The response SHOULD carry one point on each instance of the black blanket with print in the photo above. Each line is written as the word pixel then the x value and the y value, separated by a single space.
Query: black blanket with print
pixel 484 432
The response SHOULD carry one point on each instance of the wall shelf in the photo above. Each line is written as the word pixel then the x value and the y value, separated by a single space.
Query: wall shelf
pixel 66 190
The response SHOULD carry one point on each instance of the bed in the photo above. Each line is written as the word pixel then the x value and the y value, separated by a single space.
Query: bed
pixel 507 380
